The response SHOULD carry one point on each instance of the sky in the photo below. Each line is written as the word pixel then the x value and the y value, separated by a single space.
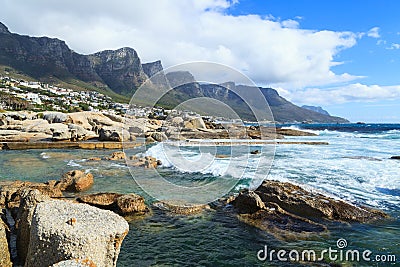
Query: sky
pixel 342 55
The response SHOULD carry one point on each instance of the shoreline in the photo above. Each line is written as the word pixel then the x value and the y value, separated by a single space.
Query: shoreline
pixel 120 145
pixel 64 145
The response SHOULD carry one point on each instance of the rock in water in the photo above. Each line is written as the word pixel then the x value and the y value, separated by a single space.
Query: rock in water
pixel 5 259
pixel 181 207
pixel 95 235
pixel 118 155
pixel 76 181
pixel 123 205
pixel 248 202
pixel 296 200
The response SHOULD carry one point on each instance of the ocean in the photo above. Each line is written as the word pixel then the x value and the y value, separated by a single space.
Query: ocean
pixel 355 167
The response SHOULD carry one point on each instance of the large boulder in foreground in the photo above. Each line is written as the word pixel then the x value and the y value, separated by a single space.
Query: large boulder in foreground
pixel 5 258
pixel 123 205
pixel 67 231
pixel 76 181
pixel 296 200
pixel 29 199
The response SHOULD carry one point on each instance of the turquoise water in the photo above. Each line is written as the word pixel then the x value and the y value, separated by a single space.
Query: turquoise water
pixel 355 167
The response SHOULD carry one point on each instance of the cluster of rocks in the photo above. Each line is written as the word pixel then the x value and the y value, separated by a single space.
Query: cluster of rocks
pixel 57 126
pixel 52 228
pixel 288 210
pixel 80 126
pixel 146 162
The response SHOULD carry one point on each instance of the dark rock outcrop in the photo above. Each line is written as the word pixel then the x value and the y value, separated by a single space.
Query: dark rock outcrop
pixel 287 210
pixel 152 68
pixel 296 200
pixel 109 135
pixel 248 202
pixel 120 69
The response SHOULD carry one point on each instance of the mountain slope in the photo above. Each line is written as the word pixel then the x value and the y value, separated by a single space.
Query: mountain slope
pixel 51 60
pixel 316 109
pixel 118 73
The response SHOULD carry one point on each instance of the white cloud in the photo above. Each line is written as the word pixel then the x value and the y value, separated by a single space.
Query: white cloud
pixel 290 23
pixel 380 42
pixel 338 95
pixel 394 46
pixel 175 31
pixel 374 33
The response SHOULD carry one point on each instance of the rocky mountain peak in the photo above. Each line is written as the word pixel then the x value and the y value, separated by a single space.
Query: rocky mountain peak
pixel 177 78
pixel 4 29
pixel 152 68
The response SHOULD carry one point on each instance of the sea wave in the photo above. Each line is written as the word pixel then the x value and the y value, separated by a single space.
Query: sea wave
pixel 191 161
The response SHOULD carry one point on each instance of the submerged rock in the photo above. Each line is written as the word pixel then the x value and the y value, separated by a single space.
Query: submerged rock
pixel 293 132
pixel 181 208
pixel 147 162
pixel 281 224
pixel 255 152
pixel 123 205
pixel 118 155
pixel 395 157
pixel 75 181
pixel 95 235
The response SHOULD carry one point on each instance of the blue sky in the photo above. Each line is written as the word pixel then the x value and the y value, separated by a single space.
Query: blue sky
pixel 378 59
pixel 341 55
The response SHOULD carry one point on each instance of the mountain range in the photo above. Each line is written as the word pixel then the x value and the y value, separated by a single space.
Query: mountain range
pixel 118 73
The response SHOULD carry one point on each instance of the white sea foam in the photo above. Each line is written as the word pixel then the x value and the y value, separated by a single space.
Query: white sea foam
pixel 72 163
pixel 44 155
pixel 354 167
pixel 190 161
